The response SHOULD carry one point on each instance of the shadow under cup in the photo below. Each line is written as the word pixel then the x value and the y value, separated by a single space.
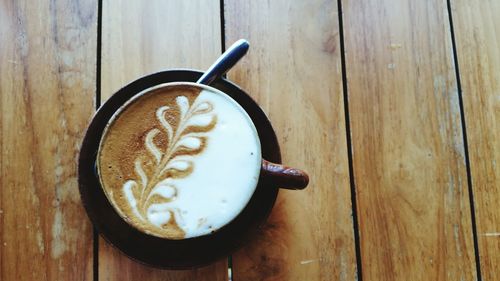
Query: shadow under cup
pixel 161 252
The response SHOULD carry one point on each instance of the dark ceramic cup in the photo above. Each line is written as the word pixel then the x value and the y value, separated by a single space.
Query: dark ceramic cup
pixel 191 252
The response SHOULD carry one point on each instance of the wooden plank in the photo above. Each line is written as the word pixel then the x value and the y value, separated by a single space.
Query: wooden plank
pixel 144 37
pixel 293 70
pixel 408 150
pixel 477 35
pixel 47 86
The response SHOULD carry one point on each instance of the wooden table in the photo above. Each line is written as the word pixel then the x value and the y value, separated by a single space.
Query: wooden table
pixel 392 106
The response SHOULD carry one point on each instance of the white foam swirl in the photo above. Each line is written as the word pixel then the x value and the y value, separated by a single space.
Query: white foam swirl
pixel 129 194
pixel 160 115
pixel 151 147
pixel 140 172
pixel 183 104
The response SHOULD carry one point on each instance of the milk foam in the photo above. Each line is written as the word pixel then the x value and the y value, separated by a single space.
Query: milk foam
pixel 224 175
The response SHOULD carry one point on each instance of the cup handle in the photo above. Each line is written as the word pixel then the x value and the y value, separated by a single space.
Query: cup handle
pixel 284 176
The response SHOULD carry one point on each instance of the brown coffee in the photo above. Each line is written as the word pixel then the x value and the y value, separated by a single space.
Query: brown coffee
pixel 179 160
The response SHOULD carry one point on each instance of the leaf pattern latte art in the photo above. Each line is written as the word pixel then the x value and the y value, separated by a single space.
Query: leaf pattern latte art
pixel 153 188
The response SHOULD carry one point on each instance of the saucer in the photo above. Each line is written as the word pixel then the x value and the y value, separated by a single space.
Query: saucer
pixel 160 252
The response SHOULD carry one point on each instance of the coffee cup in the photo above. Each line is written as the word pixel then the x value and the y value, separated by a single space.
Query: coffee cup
pixel 187 245
pixel 181 160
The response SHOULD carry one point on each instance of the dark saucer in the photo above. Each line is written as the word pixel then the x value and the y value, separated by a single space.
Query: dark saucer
pixel 164 253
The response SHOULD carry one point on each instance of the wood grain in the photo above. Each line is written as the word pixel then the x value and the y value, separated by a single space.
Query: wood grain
pixel 141 38
pixel 477 34
pixel 47 86
pixel 408 150
pixel 144 37
pixel 293 70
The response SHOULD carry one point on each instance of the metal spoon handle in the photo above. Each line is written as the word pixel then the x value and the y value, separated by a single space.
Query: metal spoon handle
pixel 227 60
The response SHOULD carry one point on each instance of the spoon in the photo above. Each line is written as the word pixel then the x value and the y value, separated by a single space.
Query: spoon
pixel 227 60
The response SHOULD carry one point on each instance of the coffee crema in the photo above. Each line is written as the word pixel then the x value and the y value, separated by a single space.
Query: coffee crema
pixel 179 160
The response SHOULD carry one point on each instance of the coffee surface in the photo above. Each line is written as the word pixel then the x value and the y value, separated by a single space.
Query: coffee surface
pixel 179 161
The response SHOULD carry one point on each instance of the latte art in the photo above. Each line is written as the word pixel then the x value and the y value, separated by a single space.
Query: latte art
pixel 179 161
pixel 147 195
